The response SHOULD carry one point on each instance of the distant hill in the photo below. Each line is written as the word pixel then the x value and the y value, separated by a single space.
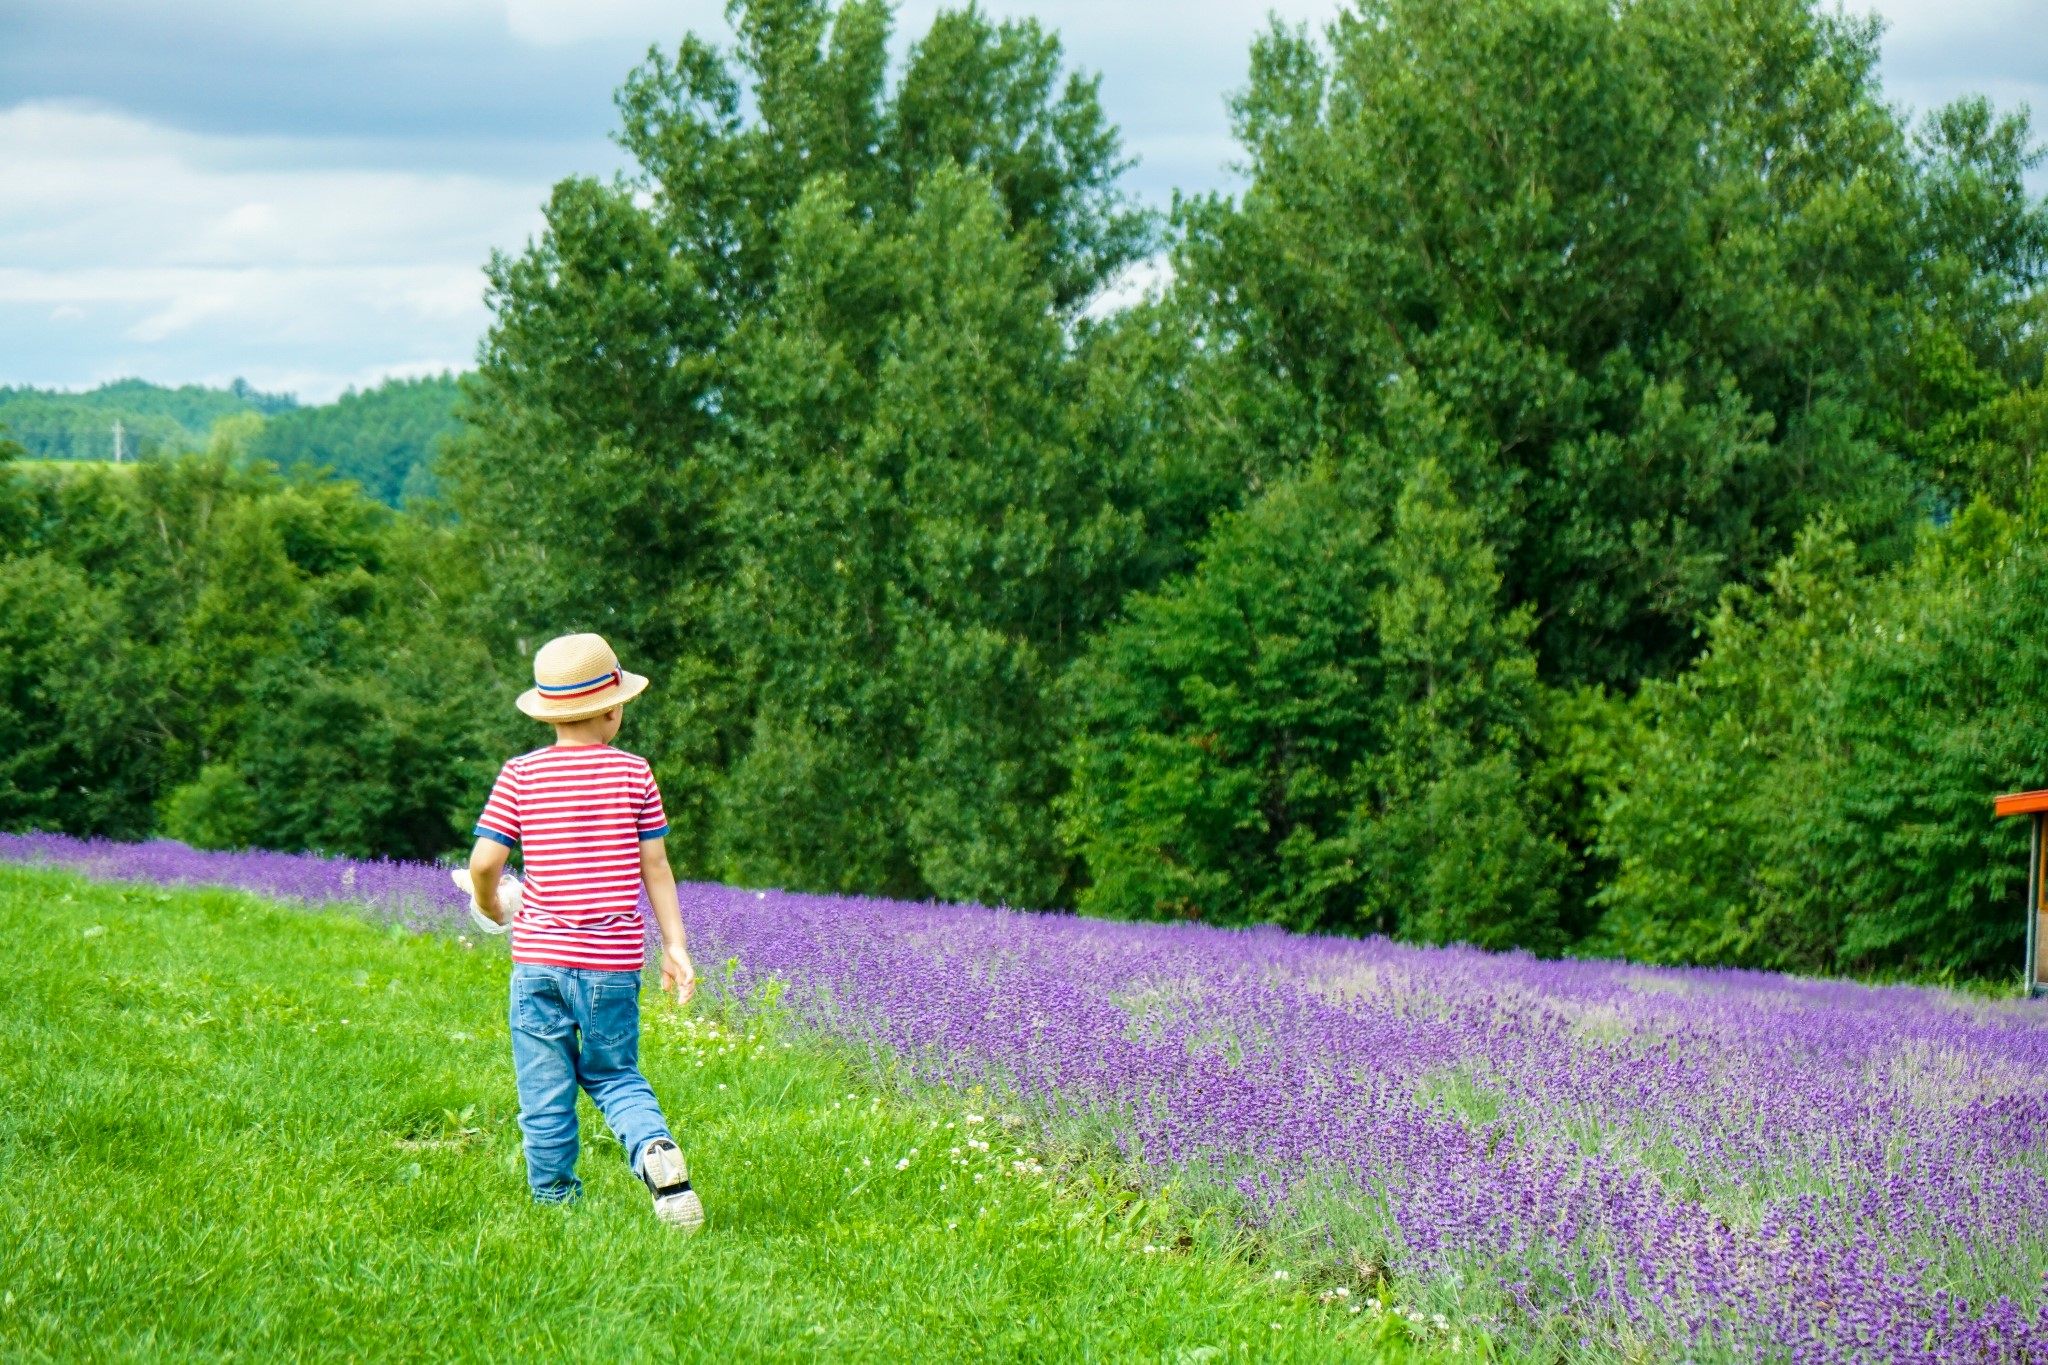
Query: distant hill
pixel 54 425
pixel 383 437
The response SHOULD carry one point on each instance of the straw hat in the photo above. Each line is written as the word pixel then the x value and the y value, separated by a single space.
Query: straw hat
pixel 576 677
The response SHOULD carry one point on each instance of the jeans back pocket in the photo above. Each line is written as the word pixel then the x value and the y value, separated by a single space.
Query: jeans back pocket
pixel 615 1017
pixel 538 1006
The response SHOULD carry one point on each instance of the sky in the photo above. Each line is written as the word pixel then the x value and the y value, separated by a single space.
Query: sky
pixel 304 193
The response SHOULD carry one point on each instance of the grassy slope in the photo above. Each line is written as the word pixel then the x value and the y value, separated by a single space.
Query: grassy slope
pixel 237 1128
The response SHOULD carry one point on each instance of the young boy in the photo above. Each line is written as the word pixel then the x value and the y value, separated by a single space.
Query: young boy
pixel 590 821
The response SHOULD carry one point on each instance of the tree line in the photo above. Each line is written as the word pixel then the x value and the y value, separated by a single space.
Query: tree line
pixel 1579 495
pixel 382 438
pixel 155 420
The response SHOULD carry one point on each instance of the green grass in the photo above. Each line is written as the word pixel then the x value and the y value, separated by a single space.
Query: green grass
pixel 236 1129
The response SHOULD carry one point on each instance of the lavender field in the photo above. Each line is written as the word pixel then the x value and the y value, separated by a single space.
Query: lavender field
pixel 1589 1159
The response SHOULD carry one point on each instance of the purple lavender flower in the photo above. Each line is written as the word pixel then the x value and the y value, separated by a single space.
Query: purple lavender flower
pixel 1810 1170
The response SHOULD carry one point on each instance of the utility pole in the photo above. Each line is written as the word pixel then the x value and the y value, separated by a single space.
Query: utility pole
pixel 119 450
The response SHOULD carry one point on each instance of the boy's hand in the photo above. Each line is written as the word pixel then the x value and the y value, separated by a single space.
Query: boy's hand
pixel 678 974
pixel 486 869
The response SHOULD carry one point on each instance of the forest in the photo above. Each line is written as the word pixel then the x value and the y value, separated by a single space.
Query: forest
pixel 1581 494
pixel 155 420
pixel 383 437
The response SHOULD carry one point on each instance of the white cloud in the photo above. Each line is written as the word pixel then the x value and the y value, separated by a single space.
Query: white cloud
pixel 334 232
pixel 1937 50
pixel 541 23
pixel 1137 282
pixel 186 253
pixel 557 23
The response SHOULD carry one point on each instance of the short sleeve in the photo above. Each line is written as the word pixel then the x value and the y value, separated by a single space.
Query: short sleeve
pixel 653 819
pixel 500 820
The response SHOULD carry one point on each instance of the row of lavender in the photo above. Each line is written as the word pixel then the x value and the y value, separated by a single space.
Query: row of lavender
pixel 1585 1154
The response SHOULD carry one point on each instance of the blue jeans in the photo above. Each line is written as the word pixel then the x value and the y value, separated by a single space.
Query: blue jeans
pixel 573 1026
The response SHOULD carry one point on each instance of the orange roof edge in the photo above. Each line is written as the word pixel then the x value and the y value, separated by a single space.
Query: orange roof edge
pixel 2021 803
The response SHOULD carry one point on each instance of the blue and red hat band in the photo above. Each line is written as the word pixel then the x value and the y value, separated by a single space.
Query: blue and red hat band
pixel 570 691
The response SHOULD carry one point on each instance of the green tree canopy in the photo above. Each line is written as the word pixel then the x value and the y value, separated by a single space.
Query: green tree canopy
pixel 1815 794
pixel 233 657
pixel 1666 261
pixel 385 438
pixel 791 414
pixel 55 425
pixel 1325 725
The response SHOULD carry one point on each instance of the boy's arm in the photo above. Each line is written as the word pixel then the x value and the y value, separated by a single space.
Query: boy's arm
pixel 486 863
pixel 678 973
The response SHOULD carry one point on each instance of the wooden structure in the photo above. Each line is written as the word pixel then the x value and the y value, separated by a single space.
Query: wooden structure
pixel 2034 805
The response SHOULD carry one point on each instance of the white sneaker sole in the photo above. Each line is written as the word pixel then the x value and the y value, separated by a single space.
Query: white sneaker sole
pixel 663 1170
pixel 683 1210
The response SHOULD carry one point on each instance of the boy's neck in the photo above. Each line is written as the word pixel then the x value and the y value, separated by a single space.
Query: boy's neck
pixel 582 734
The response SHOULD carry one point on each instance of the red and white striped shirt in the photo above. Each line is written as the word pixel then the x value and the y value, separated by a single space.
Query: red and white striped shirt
pixel 580 812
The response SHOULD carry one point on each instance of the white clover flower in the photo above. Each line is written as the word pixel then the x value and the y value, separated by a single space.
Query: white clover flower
pixel 721 1085
pixel 974 1118
pixel 1279 1274
pixel 904 1164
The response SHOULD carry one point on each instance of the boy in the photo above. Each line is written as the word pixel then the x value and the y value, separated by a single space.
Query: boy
pixel 590 820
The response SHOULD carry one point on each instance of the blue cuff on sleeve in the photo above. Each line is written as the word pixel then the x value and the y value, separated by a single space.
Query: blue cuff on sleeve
pixel 647 834
pixel 507 840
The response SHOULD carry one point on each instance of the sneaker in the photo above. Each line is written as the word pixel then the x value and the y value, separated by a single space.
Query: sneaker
pixel 668 1179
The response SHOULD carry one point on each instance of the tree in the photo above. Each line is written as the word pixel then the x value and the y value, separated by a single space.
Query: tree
pixel 385 438
pixel 76 713
pixel 1321 726
pixel 786 416
pixel 248 659
pixel 1709 818
pixel 1654 256
pixel 1815 793
pixel 1972 400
